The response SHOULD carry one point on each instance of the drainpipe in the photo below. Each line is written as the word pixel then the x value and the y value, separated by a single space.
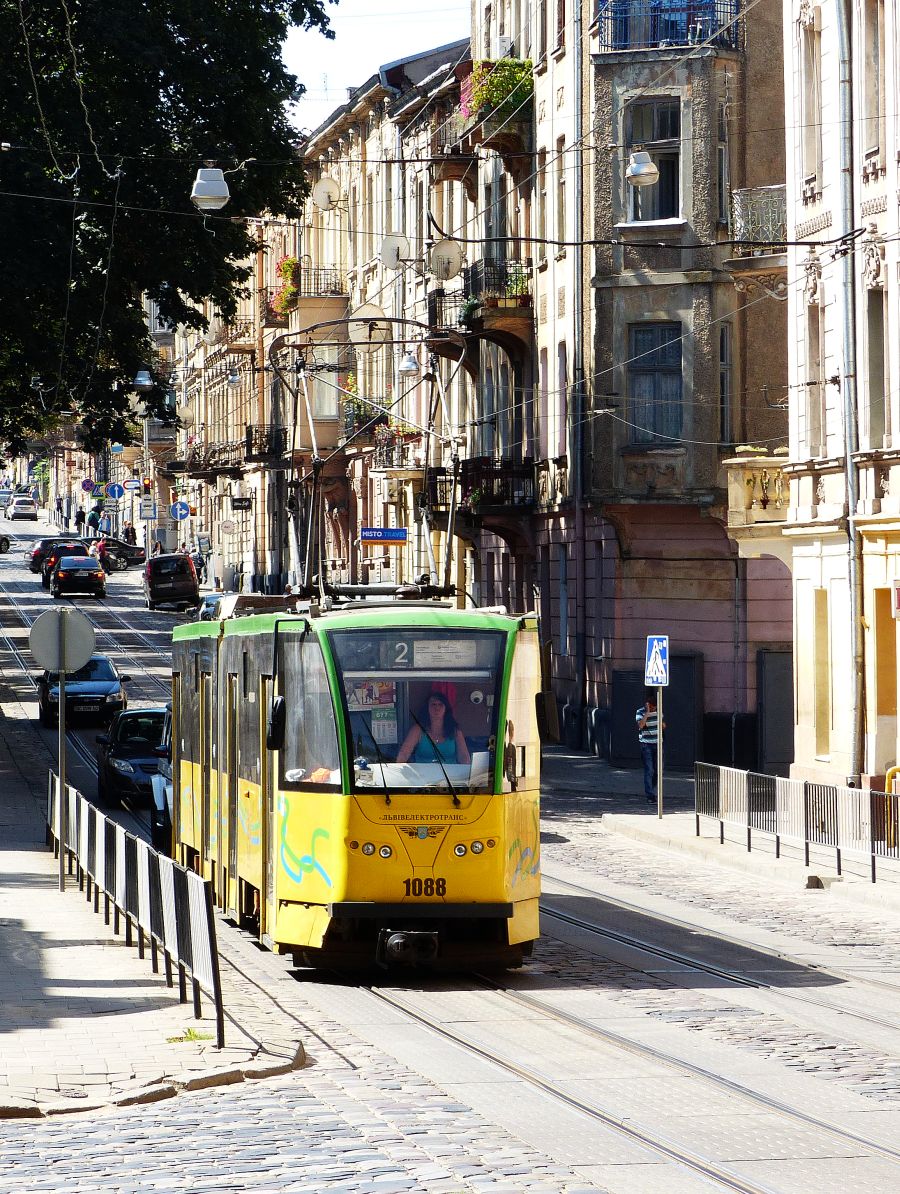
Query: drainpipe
pixel 578 389
pixel 848 393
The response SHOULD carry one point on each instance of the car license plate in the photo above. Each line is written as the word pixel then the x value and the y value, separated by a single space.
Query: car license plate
pixel 83 708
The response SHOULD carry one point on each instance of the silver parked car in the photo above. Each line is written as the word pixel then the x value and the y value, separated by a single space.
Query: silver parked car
pixel 22 507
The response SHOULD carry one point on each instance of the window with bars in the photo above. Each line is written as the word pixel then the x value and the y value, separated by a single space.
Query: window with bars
pixel 655 382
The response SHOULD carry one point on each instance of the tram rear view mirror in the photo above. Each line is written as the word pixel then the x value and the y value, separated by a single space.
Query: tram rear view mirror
pixel 547 715
pixel 275 727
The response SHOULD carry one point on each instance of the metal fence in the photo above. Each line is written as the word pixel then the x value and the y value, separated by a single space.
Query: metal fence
pixel 848 820
pixel 656 24
pixel 167 905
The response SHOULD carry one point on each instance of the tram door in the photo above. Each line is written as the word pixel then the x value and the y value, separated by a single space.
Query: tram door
pixel 267 804
pixel 231 769
pixel 207 715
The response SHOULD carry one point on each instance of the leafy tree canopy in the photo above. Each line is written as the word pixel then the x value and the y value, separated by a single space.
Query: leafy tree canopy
pixel 109 107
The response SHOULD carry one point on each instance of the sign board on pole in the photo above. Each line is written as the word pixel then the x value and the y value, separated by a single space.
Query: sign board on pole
pixel 99 491
pixel 179 511
pixel 656 665
pixel 87 485
pixel 241 503
pixel 148 509
pixel 116 448
pixel 79 640
pixel 132 485
pixel 389 535
pixel 114 490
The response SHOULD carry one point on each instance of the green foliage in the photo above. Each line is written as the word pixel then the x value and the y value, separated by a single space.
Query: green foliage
pixel 503 87
pixel 516 280
pixel 285 297
pixel 130 99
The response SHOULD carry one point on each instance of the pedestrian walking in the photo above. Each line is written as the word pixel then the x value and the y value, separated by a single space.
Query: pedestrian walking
pixel 157 548
pixel 648 729
pixel 79 521
pixel 93 522
pixel 129 534
pixel 59 512
pixel 105 524
pixel 103 554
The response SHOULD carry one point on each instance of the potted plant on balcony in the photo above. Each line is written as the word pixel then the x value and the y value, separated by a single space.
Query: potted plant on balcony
pixel 285 297
pixel 517 284
pixel 469 311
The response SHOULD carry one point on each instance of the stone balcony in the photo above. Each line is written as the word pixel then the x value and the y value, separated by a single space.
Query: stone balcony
pixel 758 503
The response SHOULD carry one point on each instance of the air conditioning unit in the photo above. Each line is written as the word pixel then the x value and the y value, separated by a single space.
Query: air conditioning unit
pixel 502 45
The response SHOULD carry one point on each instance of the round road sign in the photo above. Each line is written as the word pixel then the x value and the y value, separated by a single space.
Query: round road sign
pixel 87 485
pixel 179 511
pixel 115 491
pixel 62 640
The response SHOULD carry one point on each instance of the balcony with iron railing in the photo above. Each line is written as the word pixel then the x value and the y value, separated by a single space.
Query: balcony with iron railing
pixel 758 503
pixel 486 486
pixel 264 443
pixel 396 451
pixel 659 24
pixel 759 230
pixel 496 111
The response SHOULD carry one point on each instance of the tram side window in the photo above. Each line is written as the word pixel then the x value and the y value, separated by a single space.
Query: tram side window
pixel 310 755
pixel 521 739
pixel 189 718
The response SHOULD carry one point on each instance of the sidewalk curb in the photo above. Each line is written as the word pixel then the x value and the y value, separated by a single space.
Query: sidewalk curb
pixel 734 856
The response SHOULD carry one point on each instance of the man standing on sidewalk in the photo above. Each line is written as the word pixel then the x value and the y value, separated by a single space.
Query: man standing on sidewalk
pixel 648 739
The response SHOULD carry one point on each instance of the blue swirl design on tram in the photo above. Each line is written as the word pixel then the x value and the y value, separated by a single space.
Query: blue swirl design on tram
pixel 251 831
pixel 295 865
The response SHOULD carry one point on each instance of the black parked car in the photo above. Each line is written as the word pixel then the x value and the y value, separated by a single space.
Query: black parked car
pixel 122 554
pixel 35 556
pixel 67 547
pixel 128 756
pixel 171 580
pixel 77 574
pixel 94 691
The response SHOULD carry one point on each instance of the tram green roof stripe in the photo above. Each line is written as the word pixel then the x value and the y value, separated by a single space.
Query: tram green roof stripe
pixel 195 630
pixel 375 619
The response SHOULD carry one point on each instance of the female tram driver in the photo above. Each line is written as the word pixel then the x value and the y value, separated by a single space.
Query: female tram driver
pixel 437 723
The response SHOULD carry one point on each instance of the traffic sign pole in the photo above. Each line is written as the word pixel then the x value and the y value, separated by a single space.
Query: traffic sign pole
pixel 61 722
pixel 659 751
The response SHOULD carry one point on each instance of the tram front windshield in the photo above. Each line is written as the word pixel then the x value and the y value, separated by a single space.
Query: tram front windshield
pixel 421 706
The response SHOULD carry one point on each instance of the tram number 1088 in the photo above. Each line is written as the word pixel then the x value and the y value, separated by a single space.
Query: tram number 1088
pixel 426 887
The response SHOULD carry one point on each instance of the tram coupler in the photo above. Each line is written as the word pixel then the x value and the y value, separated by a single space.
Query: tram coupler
pixel 406 946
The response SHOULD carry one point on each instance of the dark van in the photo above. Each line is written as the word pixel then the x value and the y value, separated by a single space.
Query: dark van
pixel 171 580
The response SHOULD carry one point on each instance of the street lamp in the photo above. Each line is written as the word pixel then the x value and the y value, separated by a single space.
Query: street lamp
pixel 642 171
pixel 210 190
pixel 409 364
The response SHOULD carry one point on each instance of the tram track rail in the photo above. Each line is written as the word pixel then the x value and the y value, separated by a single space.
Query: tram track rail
pixel 724 1175
pixel 715 971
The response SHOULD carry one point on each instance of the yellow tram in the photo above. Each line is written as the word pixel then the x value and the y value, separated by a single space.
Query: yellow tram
pixel 362 784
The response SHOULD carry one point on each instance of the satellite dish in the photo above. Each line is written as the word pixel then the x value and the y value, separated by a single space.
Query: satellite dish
pixel 394 250
pixel 325 194
pixel 185 414
pixel 368 327
pixel 213 333
pixel 446 259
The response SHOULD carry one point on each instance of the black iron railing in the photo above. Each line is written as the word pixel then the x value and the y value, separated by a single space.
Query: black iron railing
pixel 496 278
pixel 320 280
pixel 656 24
pixel 447 310
pixel 265 441
pixel 486 482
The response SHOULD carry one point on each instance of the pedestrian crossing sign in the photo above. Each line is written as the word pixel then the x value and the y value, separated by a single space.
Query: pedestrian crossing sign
pixel 656 666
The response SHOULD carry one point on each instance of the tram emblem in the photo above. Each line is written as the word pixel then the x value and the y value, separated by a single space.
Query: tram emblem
pixel 422 832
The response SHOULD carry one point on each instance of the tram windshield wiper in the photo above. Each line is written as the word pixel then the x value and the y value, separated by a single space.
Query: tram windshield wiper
pixel 381 760
pixel 437 755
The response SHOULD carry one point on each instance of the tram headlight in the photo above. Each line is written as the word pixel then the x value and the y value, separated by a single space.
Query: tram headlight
pixel 368 848
pixel 477 847
pixel 459 850
pixel 385 851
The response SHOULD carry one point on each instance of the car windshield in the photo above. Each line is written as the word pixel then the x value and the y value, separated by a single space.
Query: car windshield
pixel 94 669
pixel 140 729
pixel 421 706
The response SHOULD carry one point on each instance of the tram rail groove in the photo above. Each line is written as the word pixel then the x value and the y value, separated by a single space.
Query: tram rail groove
pixel 723 1175
pixel 607 1036
pixel 674 922
pixel 732 977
